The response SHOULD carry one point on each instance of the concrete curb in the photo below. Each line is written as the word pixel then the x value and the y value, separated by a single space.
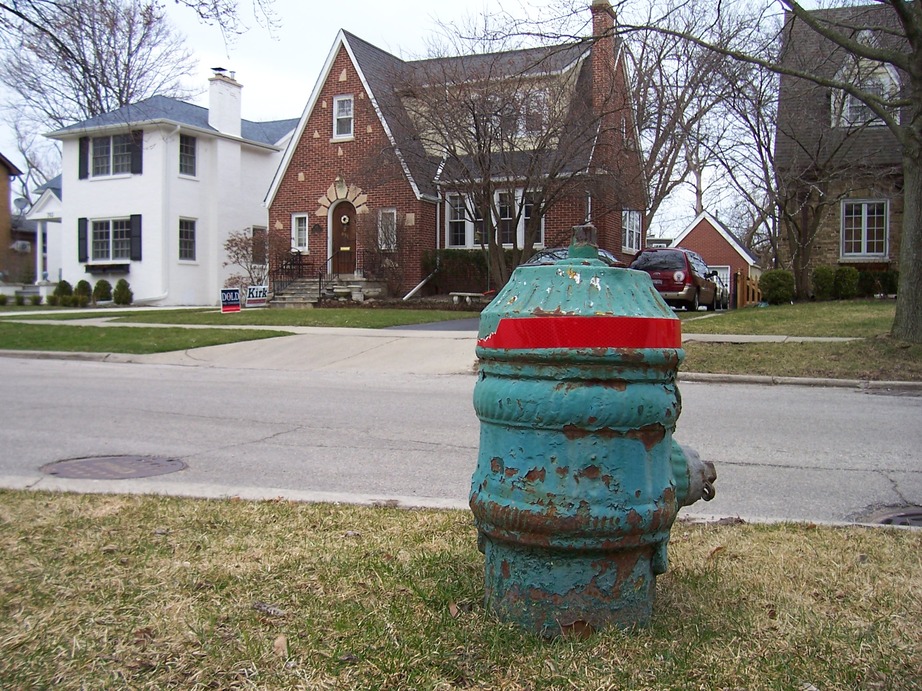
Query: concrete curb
pixel 907 387
pixel 863 384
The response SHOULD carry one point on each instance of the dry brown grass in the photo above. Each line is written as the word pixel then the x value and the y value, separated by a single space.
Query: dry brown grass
pixel 153 593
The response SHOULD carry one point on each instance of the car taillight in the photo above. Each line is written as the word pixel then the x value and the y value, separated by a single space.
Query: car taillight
pixel 679 276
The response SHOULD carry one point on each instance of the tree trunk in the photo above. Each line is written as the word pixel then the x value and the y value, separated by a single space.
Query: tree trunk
pixel 907 324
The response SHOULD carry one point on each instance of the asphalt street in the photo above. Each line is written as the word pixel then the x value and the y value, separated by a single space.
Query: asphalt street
pixel 386 416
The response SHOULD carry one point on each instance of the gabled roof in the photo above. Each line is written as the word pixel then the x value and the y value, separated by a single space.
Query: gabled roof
pixel 804 126
pixel 162 109
pixel 383 75
pixel 53 186
pixel 4 161
pixel 722 231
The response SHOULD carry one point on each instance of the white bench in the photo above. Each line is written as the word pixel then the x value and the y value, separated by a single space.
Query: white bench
pixel 468 297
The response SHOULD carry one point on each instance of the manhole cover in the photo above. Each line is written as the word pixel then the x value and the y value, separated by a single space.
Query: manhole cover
pixel 909 518
pixel 113 467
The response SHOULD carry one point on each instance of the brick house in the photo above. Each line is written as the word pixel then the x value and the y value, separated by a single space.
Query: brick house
pixel 838 166
pixel 7 172
pixel 364 184
pixel 723 253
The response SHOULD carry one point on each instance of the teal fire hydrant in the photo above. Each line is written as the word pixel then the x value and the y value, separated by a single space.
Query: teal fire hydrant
pixel 578 479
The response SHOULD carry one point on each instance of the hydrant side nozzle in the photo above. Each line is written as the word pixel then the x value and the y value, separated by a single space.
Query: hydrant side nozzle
pixel 694 477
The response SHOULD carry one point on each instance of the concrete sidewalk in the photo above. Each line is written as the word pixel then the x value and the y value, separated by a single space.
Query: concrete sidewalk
pixel 404 350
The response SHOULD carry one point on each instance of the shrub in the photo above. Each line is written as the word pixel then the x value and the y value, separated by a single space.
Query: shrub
pixel 846 283
pixel 63 288
pixel 869 283
pixel 83 288
pixel 777 286
pixel 823 282
pixel 80 300
pixel 102 291
pixel 66 300
pixel 889 282
pixel 35 300
pixel 54 300
pixel 122 294
pixel 3 299
pixel 20 300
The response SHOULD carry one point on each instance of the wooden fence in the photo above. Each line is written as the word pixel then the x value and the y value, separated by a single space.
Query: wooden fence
pixel 745 290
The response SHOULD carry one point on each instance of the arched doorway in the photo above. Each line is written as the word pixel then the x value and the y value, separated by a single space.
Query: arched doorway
pixel 343 239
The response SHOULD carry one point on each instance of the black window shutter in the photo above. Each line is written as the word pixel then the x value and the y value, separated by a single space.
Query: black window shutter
pixel 82 244
pixel 83 167
pixel 137 152
pixel 136 237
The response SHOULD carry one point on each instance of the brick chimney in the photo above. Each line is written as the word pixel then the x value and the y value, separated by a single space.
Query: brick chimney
pixel 603 18
pixel 603 53
pixel 224 102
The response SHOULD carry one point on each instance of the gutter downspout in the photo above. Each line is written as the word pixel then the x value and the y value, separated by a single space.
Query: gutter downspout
pixel 438 236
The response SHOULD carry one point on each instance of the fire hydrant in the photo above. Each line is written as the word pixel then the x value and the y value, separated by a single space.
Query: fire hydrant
pixel 578 479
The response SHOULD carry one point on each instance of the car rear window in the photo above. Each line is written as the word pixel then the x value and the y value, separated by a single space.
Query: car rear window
pixel 659 261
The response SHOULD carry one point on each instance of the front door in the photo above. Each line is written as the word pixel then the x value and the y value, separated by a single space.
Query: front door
pixel 343 248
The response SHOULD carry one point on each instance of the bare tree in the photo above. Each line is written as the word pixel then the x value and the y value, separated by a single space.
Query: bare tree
pixel 124 50
pixel 492 123
pixel 17 16
pixel 247 250
pixel 678 90
pixel 891 40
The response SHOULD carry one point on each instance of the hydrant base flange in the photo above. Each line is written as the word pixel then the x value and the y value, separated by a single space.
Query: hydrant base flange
pixel 552 592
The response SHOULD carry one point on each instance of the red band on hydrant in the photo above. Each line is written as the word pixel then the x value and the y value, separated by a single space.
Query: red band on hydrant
pixel 584 332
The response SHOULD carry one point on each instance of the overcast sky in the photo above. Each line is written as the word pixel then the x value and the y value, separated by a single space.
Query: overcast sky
pixel 278 69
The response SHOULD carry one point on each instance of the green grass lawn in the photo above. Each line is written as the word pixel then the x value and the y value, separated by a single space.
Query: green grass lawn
pixel 858 318
pixel 134 340
pixel 113 592
pixel 875 356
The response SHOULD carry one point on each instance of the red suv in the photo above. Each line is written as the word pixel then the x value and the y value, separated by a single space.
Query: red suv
pixel 680 275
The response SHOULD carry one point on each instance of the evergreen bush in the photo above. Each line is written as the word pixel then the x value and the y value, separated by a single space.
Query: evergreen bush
pixel 777 286
pixel 846 283
pixel 83 288
pixel 63 288
pixel 3 300
pixel 122 294
pixel 102 291
pixel 35 300
pixel 823 282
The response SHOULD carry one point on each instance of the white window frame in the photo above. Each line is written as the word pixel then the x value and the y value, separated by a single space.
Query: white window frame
pixel 387 230
pixel 864 253
pixel 337 118
pixel 116 249
pixel 183 241
pixel 116 160
pixel 187 157
pixel 631 230
pixel 849 111
pixel 472 226
pixel 455 204
pixel 296 231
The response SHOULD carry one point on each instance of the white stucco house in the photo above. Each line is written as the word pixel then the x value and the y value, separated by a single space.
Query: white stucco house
pixel 152 190
pixel 46 213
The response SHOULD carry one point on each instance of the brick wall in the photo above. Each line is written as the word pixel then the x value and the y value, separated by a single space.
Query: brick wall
pixel 367 167
pixel 826 249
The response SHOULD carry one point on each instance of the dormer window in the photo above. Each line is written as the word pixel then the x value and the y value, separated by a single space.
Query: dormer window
pixel 343 117
pixel 874 79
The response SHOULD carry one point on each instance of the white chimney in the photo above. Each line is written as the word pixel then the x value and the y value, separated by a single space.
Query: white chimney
pixel 224 102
